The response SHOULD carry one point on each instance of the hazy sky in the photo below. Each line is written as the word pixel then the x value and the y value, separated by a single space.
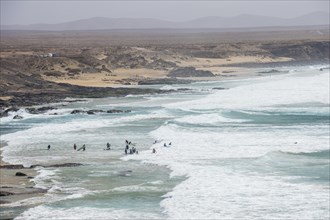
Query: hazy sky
pixel 30 12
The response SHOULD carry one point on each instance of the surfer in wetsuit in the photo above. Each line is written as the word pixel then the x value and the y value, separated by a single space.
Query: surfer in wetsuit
pixel 74 147
pixel 84 147
pixel 153 150
pixel 108 146
pixel 48 148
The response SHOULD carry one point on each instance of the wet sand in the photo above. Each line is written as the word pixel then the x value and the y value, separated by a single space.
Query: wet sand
pixel 15 189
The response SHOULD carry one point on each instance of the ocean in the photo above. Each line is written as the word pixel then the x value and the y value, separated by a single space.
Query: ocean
pixel 256 149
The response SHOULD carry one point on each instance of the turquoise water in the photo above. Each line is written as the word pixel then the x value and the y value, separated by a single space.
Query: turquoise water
pixel 259 149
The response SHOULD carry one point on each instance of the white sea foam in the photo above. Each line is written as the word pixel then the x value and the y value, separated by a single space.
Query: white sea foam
pixel 30 142
pixel 281 90
pixel 207 119
pixel 223 192
pixel 218 190
pixel 44 212
pixel 137 188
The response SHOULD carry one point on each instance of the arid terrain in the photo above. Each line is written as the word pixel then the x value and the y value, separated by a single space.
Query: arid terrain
pixel 42 67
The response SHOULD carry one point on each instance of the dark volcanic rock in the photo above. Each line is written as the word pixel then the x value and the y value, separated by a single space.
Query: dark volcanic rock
pixel 39 110
pixel 167 81
pixel 20 174
pixel 189 72
pixel 58 165
pixel 4 193
pixel 5 112
pixel 273 71
pixel 77 112
pixel 118 111
pixel 92 112
pixel 66 165
pixel 114 111
pixel 316 50
pixel 18 166
pixel 54 73
pixel 17 117
pixel 219 88
pixel 184 89
pixel 228 71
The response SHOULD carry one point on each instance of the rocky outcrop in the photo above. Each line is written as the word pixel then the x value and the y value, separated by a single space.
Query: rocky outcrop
pixel 118 111
pixel 219 88
pixel 302 51
pixel 54 73
pixel 5 112
pixel 189 72
pixel 21 191
pixel 18 117
pixel 93 111
pixel 20 174
pixel 77 112
pixel 39 110
pixel 167 81
pixel 161 64
pixel 4 193
pixel 15 166
pixel 273 71
pixel 58 165
pixel 66 165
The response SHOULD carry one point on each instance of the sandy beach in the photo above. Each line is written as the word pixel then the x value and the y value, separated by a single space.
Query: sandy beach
pixel 126 76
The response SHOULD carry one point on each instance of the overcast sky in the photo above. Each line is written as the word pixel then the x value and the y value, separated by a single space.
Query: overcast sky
pixel 31 12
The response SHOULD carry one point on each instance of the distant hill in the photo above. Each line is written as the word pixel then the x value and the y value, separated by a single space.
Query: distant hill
pixel 241 21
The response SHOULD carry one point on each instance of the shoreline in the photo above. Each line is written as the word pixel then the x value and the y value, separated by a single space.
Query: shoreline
pixel 101 89
pixel 15 189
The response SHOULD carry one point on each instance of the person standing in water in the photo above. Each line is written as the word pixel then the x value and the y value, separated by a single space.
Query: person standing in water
pixel 74 147
pixel 48 148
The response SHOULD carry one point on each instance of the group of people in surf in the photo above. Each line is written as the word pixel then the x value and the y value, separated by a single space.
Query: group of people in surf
pixel 165 145
pixel 130 150
pixel 83 148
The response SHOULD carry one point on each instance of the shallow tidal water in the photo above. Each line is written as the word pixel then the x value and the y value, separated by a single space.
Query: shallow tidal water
pixel 258 149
